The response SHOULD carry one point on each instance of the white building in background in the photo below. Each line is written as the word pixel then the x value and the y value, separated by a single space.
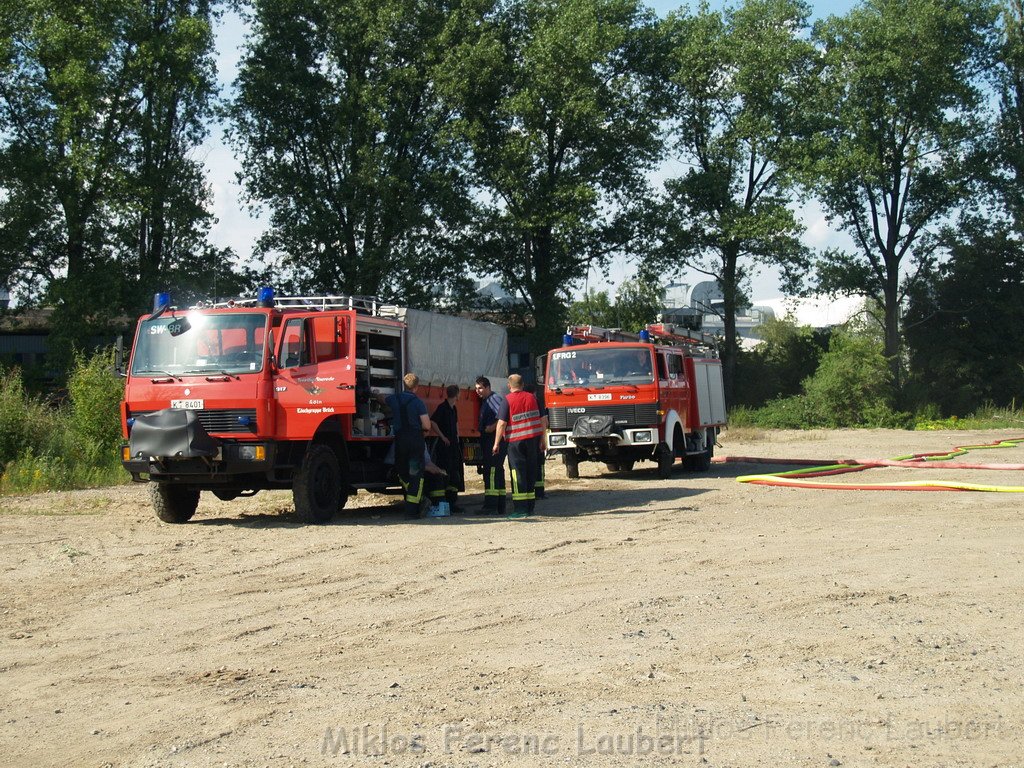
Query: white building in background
pixel 705 300
pixel 5 298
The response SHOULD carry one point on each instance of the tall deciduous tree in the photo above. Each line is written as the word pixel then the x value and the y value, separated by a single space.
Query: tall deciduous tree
pixel 1008 140
pixel 900 113
pixel 740 79
pixel 560 103
pixel 101 104
pixel 342 136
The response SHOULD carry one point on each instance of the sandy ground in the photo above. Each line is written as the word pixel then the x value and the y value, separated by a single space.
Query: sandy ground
pixel 695 621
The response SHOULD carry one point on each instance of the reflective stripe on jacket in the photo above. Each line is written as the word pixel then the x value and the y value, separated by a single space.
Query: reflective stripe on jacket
pixel 524 417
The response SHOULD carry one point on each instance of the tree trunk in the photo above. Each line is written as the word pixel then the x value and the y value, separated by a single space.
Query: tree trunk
pixel 892 346
pixel 730 293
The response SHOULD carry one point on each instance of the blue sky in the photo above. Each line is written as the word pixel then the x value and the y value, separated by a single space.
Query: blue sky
pixel 239 228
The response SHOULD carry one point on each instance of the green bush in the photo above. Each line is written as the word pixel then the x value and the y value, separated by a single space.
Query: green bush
pixel 74 446
pixel 850 388
pixel 95 399
pixel 851 385
pixel 26 423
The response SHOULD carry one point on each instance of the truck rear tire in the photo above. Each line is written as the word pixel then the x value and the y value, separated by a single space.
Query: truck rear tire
pixel 701 462
pixel 572 465
pixel 316 488
pixel 173 503
pixel 666 460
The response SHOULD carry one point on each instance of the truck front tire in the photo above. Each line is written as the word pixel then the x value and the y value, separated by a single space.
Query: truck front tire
pixel 316 488
pixel 173 503
pixel 666 460
pixel 572 465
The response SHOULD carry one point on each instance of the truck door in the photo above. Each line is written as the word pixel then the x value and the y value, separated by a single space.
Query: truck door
pixel 316 379
pixel 673 385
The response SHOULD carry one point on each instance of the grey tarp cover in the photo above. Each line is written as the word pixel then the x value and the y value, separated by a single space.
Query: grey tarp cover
pixel 454 350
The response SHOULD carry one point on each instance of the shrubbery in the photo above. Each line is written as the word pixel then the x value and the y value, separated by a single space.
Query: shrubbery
pixel 70 445
pixel 850 388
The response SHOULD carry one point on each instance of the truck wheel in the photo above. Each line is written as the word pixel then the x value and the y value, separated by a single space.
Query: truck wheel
pixel 173 503
pixel 665 460
pixel 572 465
pixel 701 462
pixel 316 488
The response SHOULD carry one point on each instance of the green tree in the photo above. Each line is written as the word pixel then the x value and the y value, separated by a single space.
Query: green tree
pixel 559 104
pixel 637 302
pixel 965 323
pixel 787 355
pixel 101 104
pixel 899 115
pixel 739 83
pixel 595 308
pixel 342 135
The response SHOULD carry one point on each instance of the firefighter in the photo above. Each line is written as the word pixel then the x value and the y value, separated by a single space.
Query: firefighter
pixel 519 420
pixel 411 424
pixel 492 451
pixel 449 451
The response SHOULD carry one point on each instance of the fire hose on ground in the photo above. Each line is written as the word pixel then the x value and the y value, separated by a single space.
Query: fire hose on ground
pixel 800 478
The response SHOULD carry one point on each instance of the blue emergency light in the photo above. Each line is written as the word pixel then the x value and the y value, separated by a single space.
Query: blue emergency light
pixel 265 298
pixel 161 300
pixel 645 335
pixel 567 340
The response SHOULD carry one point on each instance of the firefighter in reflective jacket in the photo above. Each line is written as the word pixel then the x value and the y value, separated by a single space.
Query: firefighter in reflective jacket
pixel 519 422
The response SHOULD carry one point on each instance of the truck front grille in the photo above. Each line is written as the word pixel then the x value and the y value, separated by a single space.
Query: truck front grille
pixel 643 415
pixel 222 420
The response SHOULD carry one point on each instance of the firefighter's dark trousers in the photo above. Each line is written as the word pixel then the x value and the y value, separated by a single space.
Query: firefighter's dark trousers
pixel 494 473
pixel 538 487
pixel 522 466
pixel 409 448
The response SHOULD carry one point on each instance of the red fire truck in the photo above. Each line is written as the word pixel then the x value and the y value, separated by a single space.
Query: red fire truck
pixel 620 398
pixel 283 393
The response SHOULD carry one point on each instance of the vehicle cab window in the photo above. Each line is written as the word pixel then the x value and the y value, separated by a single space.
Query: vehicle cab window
pixel 674 364
pixel 295 344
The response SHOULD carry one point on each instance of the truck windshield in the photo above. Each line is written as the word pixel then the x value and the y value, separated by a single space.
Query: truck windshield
pixel 596 366
pixel 198 343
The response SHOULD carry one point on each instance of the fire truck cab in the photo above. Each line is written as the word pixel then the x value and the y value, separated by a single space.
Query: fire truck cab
pixel 620 398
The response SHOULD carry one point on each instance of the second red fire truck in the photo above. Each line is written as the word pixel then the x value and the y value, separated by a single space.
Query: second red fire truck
pixel 619 398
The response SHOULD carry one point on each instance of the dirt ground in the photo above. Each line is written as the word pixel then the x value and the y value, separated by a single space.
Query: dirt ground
pixel 695 621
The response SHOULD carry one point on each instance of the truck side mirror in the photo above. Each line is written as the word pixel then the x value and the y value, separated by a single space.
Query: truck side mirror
pixel 538 368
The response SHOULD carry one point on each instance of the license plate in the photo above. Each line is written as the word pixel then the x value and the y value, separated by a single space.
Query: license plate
pixel 190 405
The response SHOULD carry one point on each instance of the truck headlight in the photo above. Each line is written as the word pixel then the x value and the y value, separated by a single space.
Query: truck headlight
pixel 556 440
pixel 642 437
pixel 252 452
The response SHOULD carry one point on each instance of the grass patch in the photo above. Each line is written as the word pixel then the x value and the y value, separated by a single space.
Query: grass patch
pixel 986 417
pixel 744 434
